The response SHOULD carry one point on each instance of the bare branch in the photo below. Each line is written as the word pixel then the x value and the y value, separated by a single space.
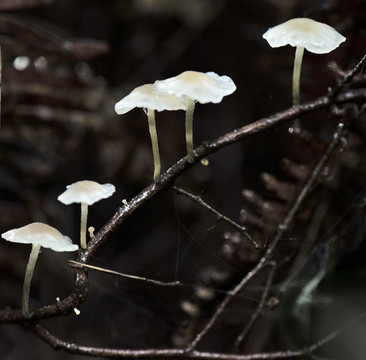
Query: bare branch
pixel 258 311
pixel 220 216
pixel 77 264
pixel 348 78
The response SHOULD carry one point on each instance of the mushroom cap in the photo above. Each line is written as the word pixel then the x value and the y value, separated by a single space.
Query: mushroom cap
pixel 87 192
pixel 314 36
pixel 149 97
pixel 199 86
pixel 40 234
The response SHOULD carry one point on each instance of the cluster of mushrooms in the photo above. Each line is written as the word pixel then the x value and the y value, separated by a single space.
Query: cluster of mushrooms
pixel 38 234
pixel 176 93
pixel 183 91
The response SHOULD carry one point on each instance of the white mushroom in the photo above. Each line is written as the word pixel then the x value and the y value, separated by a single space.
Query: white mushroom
pixel 37 234
pixel 303 33
pixel 150 98
pixel 86 193
pixel 196 86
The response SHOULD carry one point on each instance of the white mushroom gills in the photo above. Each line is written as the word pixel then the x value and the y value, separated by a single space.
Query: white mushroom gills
pixel 150 98
pixel 196 86
pixel 37 234
pixel 303 33
pixel 86 193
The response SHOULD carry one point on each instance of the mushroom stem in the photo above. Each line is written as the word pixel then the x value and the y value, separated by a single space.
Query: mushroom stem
pixel 189 128
pixel 28 279
pixel 154 144
pixel 84 217
pixel 296 75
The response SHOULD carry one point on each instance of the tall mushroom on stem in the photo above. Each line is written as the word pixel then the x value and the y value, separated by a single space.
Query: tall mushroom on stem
pixel 150 99
pixel 86 193
pixel 37 234
pixel 303 33
pixel 196 86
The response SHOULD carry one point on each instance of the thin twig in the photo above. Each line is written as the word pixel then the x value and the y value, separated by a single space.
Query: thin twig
pixel 314 175
pixel 349 77
pixel 259 309
pixel 73 263
pixel 229 296
pixel 220 216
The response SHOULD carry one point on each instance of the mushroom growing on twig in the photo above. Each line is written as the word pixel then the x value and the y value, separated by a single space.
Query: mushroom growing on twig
pixel 196 86
pixel 150 98
pixel 37 234
pixel 303 33
pixel 87 193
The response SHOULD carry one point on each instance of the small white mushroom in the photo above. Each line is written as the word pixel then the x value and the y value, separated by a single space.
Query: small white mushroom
pixel 91 230
pixel 86 193
pixel 303 33
pixel 150 99
pixel 77 311
pixel 196 86
pixel 37 234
